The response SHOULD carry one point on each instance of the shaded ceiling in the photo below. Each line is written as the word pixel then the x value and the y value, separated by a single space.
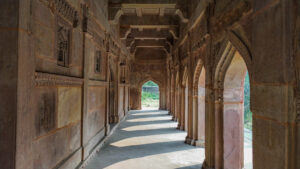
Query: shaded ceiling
pixel 148 28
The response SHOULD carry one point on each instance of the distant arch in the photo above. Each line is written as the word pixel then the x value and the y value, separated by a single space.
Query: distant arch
pixel 150 100
pixel 139 89
pixel 150 79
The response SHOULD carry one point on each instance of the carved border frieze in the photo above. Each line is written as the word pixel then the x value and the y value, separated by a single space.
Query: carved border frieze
pixel 63 8
pixel 46 79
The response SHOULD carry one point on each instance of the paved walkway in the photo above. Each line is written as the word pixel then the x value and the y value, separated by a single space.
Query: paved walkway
pixel 147 140
pixel 248 162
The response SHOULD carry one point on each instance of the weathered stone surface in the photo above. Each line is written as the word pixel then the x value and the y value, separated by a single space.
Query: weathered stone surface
pixel 69 106
pixel 95 117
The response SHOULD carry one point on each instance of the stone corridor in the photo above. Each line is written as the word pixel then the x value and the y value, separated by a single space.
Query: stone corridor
pixel 147 140
pixel 72 72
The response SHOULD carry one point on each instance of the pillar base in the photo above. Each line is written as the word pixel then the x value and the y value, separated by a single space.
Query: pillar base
pixel 107 129
pixel 174 118
pixel 114 119
pixel 198 143
pixel 204 166
pixel 180 127
pixel 188 140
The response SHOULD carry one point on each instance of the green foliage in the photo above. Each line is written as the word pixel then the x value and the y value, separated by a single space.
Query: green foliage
pixel 150 83
pixel 247 111
pixel 150 99
pixel 149 96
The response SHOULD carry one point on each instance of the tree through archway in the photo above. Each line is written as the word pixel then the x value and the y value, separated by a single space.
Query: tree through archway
pixel 150 96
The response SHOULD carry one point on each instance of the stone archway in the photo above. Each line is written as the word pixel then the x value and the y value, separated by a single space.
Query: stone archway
pixel 229 108
pixel 199 105
pixel 140 90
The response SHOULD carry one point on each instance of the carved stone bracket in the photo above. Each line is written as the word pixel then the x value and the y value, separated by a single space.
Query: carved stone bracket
pixel 180 15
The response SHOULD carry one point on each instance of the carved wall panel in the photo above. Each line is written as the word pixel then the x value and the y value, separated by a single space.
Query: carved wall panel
pixel 57 38
pixel 98 60
pixel 63 42
pixel 95 118
pixel 69 106
pixel 45 120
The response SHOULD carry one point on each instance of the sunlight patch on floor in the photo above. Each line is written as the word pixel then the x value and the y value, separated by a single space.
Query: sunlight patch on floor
pixel 157 119
pixel 150 126
pixel 176 159
pixel 143 140
pixel 147 113
pixel 147 140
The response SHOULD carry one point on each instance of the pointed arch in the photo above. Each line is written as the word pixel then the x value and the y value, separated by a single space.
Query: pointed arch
pixel 150 79
pixel 140 85
pixel 199 104
pixel 197 73
pixel 185 76
pixel 235 60
pixel 177 78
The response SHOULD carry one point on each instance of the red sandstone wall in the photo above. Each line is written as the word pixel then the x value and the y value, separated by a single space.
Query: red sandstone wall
pixel 64 108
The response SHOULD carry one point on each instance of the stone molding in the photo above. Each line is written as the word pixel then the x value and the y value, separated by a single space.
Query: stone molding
pixel 46 79
pixel 63 8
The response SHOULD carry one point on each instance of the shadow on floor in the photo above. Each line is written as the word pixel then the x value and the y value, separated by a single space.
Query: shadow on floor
pixel 198 166
pixel 133 147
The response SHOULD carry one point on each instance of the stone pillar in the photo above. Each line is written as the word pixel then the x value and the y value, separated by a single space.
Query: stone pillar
pixel 195 119
pixel 114 117
pixel 182 110
pixel 272 89
pixel 177 104
pixel 10 32
pixel 219 134
pixel 189 137
pixel 107 126
pixel 209 162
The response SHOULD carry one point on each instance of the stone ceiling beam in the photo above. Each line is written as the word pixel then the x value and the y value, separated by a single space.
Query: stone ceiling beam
pixel 150 43
pixel 148 20
pixel 156 32
pixel 143 1
pixel 130 6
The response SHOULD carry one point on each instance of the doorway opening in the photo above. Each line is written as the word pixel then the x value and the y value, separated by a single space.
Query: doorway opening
pixel 237 117
pixel 248 157
pixel 150 96
pixel 200 113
